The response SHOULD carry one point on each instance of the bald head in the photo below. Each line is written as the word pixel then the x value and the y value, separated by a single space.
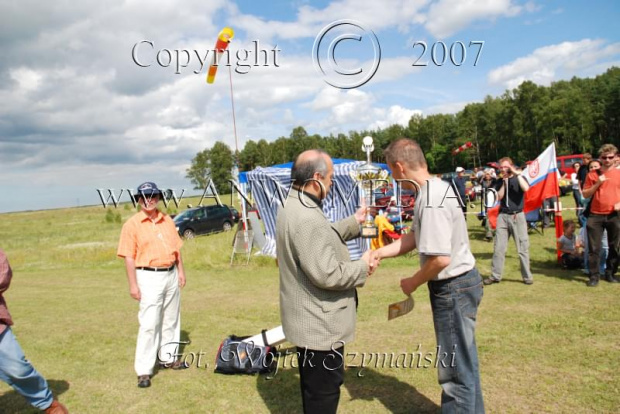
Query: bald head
pixel 310 162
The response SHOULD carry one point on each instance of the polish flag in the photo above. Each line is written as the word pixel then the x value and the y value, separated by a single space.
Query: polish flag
pixel 542 176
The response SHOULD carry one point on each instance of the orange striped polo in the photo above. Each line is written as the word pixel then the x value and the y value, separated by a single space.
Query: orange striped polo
pixel 152 243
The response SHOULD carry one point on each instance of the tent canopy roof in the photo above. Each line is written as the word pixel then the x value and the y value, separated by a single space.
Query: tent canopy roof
pixel 288 165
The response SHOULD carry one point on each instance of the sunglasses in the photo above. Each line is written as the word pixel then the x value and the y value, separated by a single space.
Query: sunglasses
pixel 609 157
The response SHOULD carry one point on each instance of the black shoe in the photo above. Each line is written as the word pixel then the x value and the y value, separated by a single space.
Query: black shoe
pixel 490 281
pixel 528 281
pixel 144 381
pixel 611 278
pixel 592 282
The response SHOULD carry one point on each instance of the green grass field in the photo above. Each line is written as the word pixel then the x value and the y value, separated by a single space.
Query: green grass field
pixel 550 347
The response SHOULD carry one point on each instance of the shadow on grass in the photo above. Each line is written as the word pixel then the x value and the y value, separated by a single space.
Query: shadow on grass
pixel 477 233
pixel 14 403
pixel 551 268
pixel 395 395
pixel 184 340
pixel 280 390
pixel 282 395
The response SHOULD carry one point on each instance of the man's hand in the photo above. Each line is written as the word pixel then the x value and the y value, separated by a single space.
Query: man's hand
pixel 371 260
pixel 134 292
pixel 407 285
pixel 602 178
pixel 514 170
pixel 617 206
pixel 182 279
pixel 360 214
pixel 376 258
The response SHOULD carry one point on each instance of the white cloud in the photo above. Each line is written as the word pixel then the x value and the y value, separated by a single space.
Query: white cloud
pixel 27 79
pixel 396 114
pixel 391 69
pixel 560 61
pixel 345 106
pixel 447 17
pixel 400 14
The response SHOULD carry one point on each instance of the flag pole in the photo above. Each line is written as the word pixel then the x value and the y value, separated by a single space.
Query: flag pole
pixel 236 167
pixel 557 206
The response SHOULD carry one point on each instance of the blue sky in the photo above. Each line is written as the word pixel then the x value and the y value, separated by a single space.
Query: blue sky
pixel 77 113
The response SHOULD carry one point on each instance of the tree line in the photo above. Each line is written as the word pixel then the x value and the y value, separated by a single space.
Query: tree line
pixel 579 115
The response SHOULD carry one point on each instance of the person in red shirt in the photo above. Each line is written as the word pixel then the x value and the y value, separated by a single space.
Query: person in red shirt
pixel 15 369
pixel 603 186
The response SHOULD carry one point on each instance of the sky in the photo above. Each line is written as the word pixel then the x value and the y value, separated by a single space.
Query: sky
pixel 91 96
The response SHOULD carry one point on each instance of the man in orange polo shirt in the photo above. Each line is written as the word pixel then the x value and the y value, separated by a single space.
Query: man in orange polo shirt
pixel 603 186
pixel 150 245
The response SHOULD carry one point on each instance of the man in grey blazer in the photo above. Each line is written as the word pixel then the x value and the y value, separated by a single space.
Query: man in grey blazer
pixel 318 281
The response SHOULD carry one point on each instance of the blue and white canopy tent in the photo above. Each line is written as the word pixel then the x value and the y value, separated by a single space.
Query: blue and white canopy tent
pixel 270 187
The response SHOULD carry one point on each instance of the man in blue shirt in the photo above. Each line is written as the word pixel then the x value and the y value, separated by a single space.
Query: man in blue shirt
pixel 459 185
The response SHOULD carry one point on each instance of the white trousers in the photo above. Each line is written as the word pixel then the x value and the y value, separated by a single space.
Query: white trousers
pixel 160 319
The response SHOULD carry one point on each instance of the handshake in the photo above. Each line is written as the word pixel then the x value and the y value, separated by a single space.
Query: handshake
pixel 372 259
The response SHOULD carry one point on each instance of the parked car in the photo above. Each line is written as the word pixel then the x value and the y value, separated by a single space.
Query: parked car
pixel 204 220
pixel 565 163
pixel 236 214
pixel 448 176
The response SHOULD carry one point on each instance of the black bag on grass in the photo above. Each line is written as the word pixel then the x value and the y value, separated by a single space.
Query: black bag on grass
pixel 237 357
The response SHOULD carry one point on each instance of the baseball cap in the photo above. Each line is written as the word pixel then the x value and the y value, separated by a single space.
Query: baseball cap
pixel 148 189
pixel 460 169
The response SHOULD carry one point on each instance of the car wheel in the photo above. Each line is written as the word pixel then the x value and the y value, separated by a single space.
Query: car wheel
pixel 188 234
pixel 227 226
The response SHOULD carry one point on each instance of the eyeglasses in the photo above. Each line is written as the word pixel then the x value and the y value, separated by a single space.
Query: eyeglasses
pixel 609 157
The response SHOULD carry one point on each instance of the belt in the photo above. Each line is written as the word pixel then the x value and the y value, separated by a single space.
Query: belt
pixel 608 215
pixel 156 269
pixel 510 212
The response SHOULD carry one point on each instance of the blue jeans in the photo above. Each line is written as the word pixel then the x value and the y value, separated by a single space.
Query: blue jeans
pixel 583 219
pixel 455 305
pixel 16 371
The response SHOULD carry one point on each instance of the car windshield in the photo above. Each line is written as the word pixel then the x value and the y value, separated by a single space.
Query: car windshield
pixel 184 215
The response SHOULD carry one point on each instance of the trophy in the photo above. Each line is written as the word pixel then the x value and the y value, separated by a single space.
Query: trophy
pixel 366 174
